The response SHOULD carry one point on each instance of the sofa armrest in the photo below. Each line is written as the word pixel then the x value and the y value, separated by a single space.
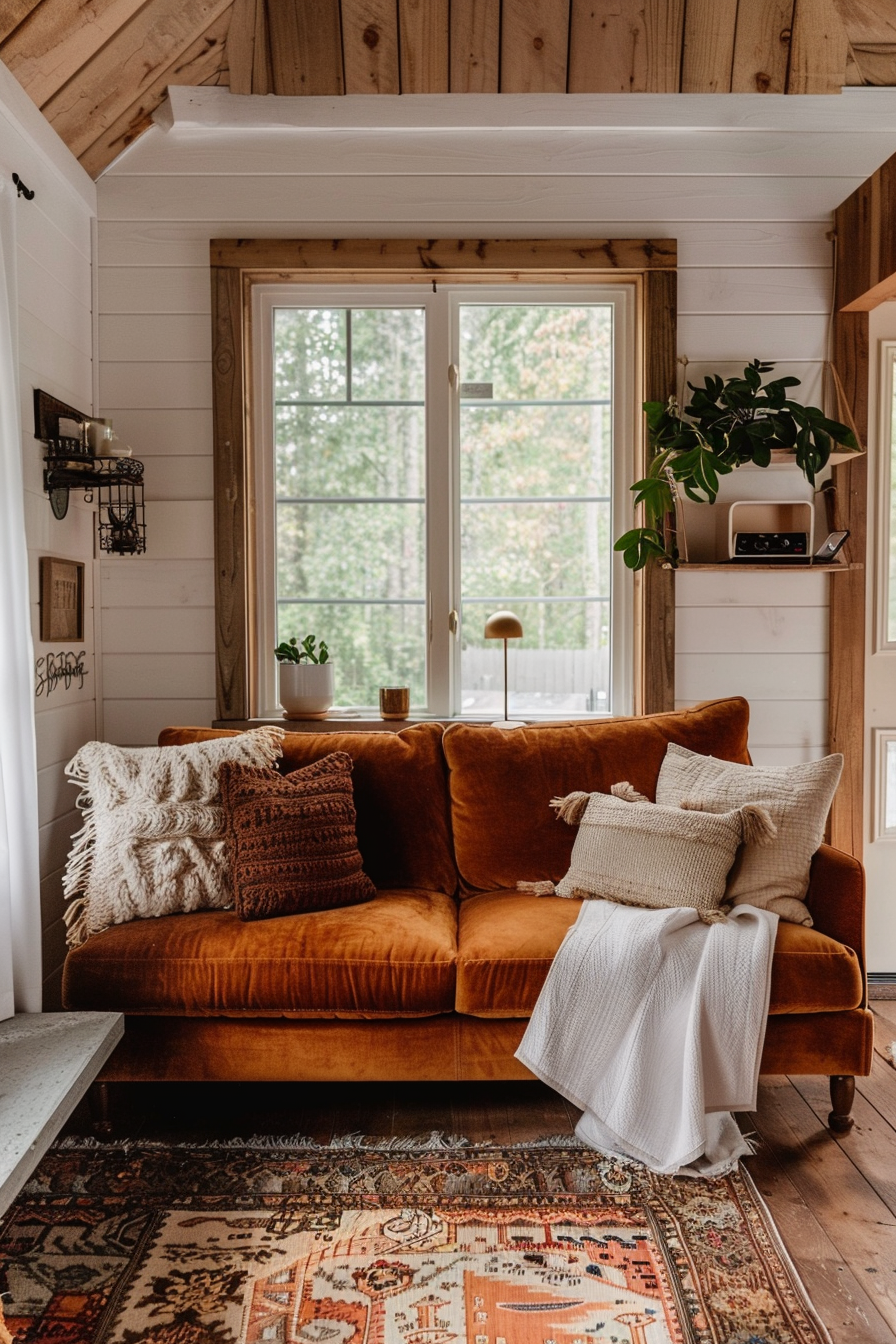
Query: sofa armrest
pixel 836 899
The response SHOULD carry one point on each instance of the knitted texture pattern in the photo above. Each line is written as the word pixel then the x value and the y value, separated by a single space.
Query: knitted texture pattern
pixel 153 836
pixel 291 840
pixel 637 853
pixel 798 798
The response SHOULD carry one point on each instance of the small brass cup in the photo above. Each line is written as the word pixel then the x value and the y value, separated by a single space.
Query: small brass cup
pixel 395 702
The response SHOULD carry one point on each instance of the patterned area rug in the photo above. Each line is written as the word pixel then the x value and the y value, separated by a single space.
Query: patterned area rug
pixel 146 1244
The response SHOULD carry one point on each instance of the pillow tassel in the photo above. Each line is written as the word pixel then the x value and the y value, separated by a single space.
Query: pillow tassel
pixel 75 916
pixel 571 809
pixel 757 826
pixel 628 793
pixel 537 888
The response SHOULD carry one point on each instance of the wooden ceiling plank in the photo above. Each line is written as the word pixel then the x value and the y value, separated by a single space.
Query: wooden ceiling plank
pixel 306 47
pixel 248 51
pixel 868 21
pixel 200 62
pixel 370 46
pixel 665 39
pixel 13 13
pixel 534 46
pixel 708 56
pixel 126 67
pixel 58 38
pixel 762 46
pixel 875 63
pixel 818 48
pixel 608 47
pixel 475 46
pixel 423 45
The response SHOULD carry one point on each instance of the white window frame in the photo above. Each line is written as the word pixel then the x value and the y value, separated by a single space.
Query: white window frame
pixel 442 465
pixel 887 384
pixel 881 737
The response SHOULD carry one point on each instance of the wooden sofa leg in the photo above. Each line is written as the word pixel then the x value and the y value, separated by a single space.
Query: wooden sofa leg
pixel 843 1089
pixel 98 1100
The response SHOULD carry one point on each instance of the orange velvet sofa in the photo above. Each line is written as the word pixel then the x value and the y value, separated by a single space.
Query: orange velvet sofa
pixel 436 977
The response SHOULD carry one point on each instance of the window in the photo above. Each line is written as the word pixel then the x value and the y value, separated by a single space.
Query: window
pixel 887 559
pixel 424 459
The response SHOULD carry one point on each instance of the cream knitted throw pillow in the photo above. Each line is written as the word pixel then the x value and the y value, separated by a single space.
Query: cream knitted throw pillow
pixel 631 851
pixel 153 835
pixel 798 799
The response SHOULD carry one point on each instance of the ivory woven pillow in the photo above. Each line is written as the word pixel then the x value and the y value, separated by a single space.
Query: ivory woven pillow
pixel 638 853
pixel 798 798
pixel 153 835
pixel 291 840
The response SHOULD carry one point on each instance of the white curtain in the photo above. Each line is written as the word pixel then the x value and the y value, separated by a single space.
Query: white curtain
pixel 20 923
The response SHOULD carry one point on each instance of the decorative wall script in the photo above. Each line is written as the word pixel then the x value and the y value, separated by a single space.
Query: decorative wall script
pixel 59 669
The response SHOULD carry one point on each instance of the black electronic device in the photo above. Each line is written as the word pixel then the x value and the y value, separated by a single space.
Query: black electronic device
pixel 831 545
pixel 776 546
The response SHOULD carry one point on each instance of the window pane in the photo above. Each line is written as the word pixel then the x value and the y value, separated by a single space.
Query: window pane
pixel 890 786
pixel 559 667
pixel 534 450
pixel 370 646
pixel 310 354
pixel 351 450
pixel 891 577
pixel 354 551
pixel 536 550
pixel 388 354
pixel 537 351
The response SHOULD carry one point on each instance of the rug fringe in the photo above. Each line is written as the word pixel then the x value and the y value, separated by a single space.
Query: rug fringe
pixel 435 1141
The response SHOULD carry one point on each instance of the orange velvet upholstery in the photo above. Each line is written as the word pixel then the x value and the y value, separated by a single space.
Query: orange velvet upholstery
pixel 401 797
pixel 391 957
pixel 508 939
pixel 501 782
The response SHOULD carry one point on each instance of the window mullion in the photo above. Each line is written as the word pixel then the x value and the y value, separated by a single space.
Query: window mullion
pixel 438 509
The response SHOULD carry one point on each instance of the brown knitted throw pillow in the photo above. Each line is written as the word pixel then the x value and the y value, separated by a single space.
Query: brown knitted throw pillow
pixel 291 841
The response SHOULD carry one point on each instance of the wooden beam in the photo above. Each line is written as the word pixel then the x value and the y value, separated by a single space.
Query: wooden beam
pixel 475 46
pixel 432 256
pixel 607 47
pixel 201 62
pixel 370 46
pixel 306 47
pixel 708 46
pixel 57 39
pixel 127 67
pixel 665 39
pixel 13 13
pixel 818 48
pixel 249 48
pixel 423 45
pixel 656 656
pixel 534 46
pixel 231 502
pixel 762 46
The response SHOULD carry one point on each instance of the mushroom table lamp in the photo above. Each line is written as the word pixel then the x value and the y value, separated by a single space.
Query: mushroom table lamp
pixel 504 625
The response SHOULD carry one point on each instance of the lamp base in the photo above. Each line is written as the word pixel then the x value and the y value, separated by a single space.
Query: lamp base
pixel 508 723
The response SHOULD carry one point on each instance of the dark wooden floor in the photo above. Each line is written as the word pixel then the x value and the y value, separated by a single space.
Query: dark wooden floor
pixel 833 1198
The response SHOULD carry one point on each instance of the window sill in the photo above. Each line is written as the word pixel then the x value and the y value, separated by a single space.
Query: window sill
pixel 365 724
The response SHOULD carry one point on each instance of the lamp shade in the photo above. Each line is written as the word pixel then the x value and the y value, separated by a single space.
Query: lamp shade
pixel 503 625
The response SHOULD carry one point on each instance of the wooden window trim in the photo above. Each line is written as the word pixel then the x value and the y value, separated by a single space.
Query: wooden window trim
pixel 238 264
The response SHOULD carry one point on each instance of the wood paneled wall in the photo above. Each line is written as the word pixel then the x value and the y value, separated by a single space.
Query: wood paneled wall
pixel 56 353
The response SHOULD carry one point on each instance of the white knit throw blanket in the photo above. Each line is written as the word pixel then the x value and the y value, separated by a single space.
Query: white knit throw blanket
pixel 653 1023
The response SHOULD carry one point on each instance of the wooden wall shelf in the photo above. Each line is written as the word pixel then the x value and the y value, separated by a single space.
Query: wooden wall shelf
pixel 762 567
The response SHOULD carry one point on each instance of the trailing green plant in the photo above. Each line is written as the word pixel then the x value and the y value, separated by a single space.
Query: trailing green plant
pixel 290 651
pixel 723 426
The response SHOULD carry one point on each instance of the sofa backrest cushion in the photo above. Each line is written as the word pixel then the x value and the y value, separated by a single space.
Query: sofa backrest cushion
pixel 401 797
pixel 501 782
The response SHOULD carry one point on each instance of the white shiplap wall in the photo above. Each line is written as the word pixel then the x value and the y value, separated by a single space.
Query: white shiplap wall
pixel 56 353
pixel 746 185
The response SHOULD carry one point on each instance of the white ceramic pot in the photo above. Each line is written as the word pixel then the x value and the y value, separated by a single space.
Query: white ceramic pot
pixel 306 689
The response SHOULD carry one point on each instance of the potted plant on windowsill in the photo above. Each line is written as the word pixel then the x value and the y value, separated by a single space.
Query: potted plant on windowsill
pixel 725 425
pixel 305 678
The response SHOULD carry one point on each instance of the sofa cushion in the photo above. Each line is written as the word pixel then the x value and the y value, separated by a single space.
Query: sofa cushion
pixel 401 797
pixel 501 782
pixel 391 957
pixel 507 940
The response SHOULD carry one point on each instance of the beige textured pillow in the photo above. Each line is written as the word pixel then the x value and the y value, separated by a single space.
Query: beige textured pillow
pixel 637 853
pixel 798 798
pixel 153 835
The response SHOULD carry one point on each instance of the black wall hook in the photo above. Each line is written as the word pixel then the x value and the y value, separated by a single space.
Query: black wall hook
pixel 21 188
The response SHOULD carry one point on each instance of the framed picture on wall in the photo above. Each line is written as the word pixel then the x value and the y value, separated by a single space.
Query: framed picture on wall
pixel 61 600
